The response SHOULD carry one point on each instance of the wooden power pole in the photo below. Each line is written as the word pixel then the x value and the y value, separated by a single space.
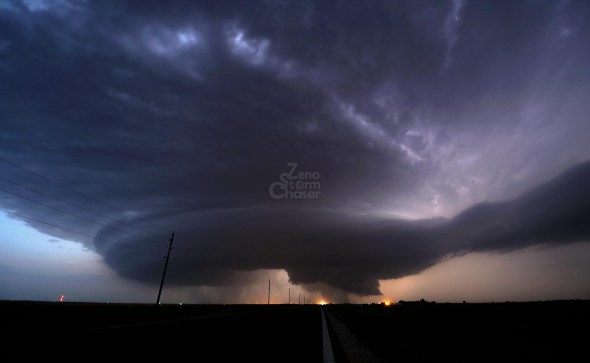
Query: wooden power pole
pixel 165 267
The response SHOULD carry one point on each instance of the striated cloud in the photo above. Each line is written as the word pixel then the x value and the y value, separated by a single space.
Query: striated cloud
pixel 429 124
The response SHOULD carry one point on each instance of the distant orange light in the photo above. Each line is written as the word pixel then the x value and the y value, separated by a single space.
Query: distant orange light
pixel 322 302
pixel 387 303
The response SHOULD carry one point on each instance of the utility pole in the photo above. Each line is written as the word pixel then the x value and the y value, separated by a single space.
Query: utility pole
pixel 268 303
pixel 299 298
pixel 289 296
pixel 165 267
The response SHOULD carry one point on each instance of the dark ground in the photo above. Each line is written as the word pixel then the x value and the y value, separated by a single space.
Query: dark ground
pixel 500 332
pixel 78 332
pixel 557 331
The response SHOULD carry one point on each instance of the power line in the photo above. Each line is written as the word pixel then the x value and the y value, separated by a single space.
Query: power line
pixel 191 255
pixel 81 233
pixel 81 217
pixel 77 206
pixel 187 252
pixel 186 263
pixel 76 192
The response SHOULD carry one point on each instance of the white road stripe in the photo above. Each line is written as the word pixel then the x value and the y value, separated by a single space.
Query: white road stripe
pixel 328 353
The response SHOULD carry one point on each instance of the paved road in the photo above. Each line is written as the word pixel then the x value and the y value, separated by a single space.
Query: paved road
pixel 238 333
pixel 504 332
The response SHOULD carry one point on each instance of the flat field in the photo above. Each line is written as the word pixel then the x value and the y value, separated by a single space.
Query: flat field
pixel 412 332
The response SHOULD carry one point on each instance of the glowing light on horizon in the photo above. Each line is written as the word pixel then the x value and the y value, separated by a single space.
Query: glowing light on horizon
pixel 61 298
pixel 323 302
pixel 387 303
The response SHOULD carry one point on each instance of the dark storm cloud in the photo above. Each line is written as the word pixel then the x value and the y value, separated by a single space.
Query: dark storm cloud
pixel 554 212
pixel 353 252
pixel 184 114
